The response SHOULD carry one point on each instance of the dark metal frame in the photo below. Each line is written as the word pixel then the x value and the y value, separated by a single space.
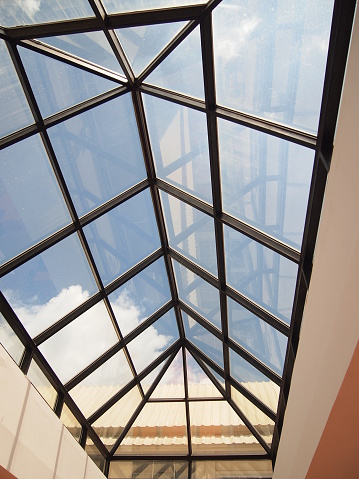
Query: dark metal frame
pixel 322 144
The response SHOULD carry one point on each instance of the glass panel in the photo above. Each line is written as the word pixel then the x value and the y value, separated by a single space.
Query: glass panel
pixel 91 393
pixel 160 428
pixel 229 469
pixel 182 70
pixel 71 423
pixel 91 46
pixel 190 232
pixel 10 341
pixel 254 381
pixel 79 343
pixel 14 106
pixel 171 384
pixel 154 340
pixel 50 285
pixel 265 181
pixel 255 335
pixel 119 6
pixel 123 236
pixel 58 85
pixel 99 153
pixel 270 59
pixel 29 12
pixel 263 424
pixel 260 274
pixel 216 428
pixel 143 44
pixel 97 458
pixel 217 376
pixel 141 296
pixel 111 424
pixel 30 199
pixel 205 341
pixel 42 384
pixel 199 384
pixel 180 146
pixel 148 469
pixel 147 382
pixel 198 294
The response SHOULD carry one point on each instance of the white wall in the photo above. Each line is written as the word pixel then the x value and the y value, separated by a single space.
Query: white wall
pixel 34 444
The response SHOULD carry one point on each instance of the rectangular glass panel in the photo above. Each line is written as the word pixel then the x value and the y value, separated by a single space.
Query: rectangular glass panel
pixel 265 181
pixel 141 296
pixel 180 146
pixel 99 153
pixel 198 294
pixel 148 469
pixel 42 384
pixel 259 273
pixel 10 341
pixel 230 469
pixel 70 422
pixel 190 232
pixel 79 343
pixel 270 58
pixel 124 236
pixel 30 198
pixel 50 285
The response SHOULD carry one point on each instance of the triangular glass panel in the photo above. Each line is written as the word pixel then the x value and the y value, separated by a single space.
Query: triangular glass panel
pixel 90 46
pixel 182 71
pixel 142 44
pixel 219 378
pixel 216 429
pixel 171 384
pixel 148 380
pixel 107 380
pixel 111 424
pixel 160 428
pixel 254 381
pixel 153 341
pixel 190 232
pixel 205 341
pixel 121 6
pixel 42 384
pixel 263 424
pixel 58 85
pixel 10 340
pixel 141 296
pixel 71 422
pixel 199 384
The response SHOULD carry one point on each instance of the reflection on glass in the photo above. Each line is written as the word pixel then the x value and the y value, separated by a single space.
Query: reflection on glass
pixel 10 341
pixel 42 384
pixel 265 180
pixel 31 204
pixel 123 236
pixel 91 46
pixel 205 341
pixel 190 232
pixel 270 58
pixel 171 384
pixel 154 340
pixel 99 153
pixel 199 384
pixel 19 12
pixel 14 106
pixel 79 343
pixel 180 146
pixel 254 381
pixel 216 428
pixel 259 273
pixel 144 469
pixel 255 335
pixel 230 469
pixel 198 294
pixel 119 6
pixel 71 423
pixel 50 285
pixel 141 296
pixel 263 424
pixel 58 85
pixel 142 44
pixel 160 428
pixel 182 70
pixel 91 393
pixel 111 424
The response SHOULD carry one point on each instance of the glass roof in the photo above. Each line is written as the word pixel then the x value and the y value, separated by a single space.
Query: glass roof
pixel 156 170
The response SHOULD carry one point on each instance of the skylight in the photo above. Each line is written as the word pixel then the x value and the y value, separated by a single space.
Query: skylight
pixel 156 166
